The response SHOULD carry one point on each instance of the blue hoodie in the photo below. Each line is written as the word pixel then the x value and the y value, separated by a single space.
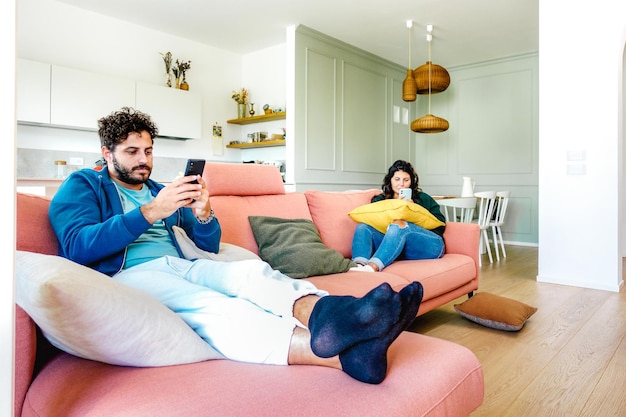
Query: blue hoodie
pixel 87 216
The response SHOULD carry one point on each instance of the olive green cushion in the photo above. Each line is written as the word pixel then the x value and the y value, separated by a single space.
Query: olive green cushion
pixel 295 248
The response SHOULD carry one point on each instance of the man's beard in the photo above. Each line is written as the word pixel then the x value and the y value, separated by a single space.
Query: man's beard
pixel 125 175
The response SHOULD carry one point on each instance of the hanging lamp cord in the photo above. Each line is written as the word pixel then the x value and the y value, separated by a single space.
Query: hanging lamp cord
pixel 410 67
pixel 430 66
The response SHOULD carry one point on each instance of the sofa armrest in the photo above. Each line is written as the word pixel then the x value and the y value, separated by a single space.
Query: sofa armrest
pixel 464 239
pixel 25 351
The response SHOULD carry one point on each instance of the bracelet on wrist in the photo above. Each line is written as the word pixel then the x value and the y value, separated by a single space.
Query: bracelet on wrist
pixel 208 219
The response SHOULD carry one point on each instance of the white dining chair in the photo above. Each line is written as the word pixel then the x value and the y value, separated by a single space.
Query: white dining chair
pixel 502 201
pixel 486 201
pixel 458 209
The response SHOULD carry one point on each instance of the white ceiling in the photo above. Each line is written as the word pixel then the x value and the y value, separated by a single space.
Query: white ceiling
pixel 465 31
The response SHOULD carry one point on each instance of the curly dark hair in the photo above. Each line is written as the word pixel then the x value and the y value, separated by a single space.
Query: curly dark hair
pixel 114 128
pixel 404 166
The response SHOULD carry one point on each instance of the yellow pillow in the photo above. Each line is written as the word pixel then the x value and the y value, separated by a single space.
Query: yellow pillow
pixel 381 213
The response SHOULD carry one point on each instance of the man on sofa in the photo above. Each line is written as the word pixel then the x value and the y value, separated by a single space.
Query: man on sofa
pixel 119 222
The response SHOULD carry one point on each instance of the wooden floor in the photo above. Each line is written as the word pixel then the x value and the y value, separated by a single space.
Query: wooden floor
pixel 568 361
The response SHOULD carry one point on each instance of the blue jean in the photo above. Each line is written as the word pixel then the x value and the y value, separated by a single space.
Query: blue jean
pixel 410 242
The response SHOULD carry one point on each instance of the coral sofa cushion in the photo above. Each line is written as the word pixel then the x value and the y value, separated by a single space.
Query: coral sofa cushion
pixel 329 211
pixel 90 315
pixel 241 190
pixel 233 211
pixel 294 247
pixel 427 377
pixel 381 213
pixel 242 179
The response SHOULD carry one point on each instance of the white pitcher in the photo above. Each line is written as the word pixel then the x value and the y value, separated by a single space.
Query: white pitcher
pixel 468 187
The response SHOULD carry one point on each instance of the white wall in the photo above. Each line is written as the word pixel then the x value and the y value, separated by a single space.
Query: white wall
pixel 581 71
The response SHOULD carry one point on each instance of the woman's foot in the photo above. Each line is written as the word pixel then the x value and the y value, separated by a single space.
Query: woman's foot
pixel 363 268
pixel 373 266
pixel 369 267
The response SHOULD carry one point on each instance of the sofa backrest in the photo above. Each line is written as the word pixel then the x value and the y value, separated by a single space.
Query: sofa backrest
pixel 329 211
pixel 241 190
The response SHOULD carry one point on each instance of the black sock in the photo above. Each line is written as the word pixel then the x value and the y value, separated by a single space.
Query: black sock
pixel 338 322
pixel 367 361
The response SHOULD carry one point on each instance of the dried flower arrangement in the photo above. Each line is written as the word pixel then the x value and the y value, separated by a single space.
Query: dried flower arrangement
pixel 241 96
pixel 180 69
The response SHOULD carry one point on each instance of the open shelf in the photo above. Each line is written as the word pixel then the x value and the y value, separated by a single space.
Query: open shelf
pixel 262 144
pixel 258 119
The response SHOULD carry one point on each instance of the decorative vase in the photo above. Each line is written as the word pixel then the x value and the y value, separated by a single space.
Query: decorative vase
pixel 468 187
pixel 168 79
pixel 252 109
pixel 241 110
pixel 177 82
pixel 184 85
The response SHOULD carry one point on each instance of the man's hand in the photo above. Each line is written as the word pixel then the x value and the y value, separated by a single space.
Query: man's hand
pixel 179 193
pixel 201 204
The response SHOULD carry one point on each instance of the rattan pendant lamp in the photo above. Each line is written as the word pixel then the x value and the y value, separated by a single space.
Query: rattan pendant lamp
pixel 409 87
pixel 431 78
pixel 431 123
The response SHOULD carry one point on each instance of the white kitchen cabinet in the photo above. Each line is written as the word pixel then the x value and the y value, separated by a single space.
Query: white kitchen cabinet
pixel 79 98
pixel 177 113
pixel 33 92
pixel 75 99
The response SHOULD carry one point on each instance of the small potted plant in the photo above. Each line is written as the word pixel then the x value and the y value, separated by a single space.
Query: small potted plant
pixel 181 69
pixel 241 97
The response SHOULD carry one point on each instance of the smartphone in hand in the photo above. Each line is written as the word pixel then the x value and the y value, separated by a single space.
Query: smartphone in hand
pixel 406 193
pixel 194 167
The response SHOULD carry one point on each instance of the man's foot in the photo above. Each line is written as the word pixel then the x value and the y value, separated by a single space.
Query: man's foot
pixel 367 361
pixel 339 322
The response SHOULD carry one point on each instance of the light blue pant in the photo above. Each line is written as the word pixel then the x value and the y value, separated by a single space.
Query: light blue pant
pixel 410 242
pixel 242 309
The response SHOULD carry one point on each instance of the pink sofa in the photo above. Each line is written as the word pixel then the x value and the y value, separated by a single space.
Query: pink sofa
pixel 426 376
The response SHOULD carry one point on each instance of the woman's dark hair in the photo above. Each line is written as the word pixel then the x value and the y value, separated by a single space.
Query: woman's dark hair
pixel 404 166
pixel 114 129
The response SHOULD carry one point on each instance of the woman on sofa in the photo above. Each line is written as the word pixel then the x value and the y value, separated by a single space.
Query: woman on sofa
pixel 119 222
pixel 373 250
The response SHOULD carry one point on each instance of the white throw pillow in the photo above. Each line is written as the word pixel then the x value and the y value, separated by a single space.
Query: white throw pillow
pixel 90 315
pixel 228 252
